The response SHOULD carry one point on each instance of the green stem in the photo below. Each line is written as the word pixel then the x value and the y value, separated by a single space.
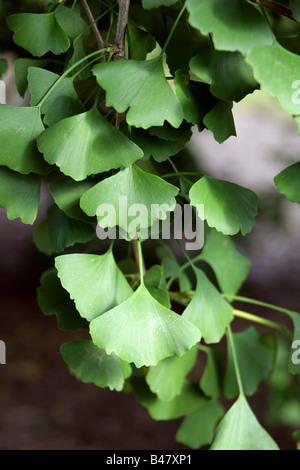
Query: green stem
pixel 235 360
pixel 173 29
pixel 256 302
pixel 57 82
pixel 182 173
pixel 139 244
pixel 262 321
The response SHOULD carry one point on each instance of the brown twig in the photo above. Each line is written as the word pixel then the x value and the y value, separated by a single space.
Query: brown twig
pixel 279 9
pixel 121 27
pixel 100 43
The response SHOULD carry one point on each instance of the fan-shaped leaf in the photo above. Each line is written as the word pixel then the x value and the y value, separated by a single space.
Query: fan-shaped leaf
pixel 87 144
pixel 94 281
pixel 219 121
pixel 288 182
pixel 92 365
pixel 71 22
pixel 150 331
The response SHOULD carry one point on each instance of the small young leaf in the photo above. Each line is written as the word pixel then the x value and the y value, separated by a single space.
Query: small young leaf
pixel 87 144
pixel 288 182
pixel 208 310
pixel 228 206
pixel 142 87
pixel 240 430
pixel 92 365
pixel 150 332
pixel 219 120
pixel 94 281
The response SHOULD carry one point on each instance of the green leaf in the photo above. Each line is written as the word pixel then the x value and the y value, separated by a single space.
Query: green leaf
pixel 240 430
pixel 87 144
pixel 142 87
pixel 21 67
pixel 211 382
pixel 140 43
pixel 187 99
pixel 38 33
pixel 255 360
pixel 229 208
pixel 131 187
pixel 19 195
pixel 61 103
pixel 198 428
pixel 230 266
pixel 150 331
pixel 70 22
pixel 189 400
pixel 67 193
pixel 94 282
pixel 234 24
pixel 168 377
pixel 208 310
pixel 220 121
pixel 19 129
pixel 79 53
pixel 288 182
pixel 58 231
pixel 277 70
pixel 157 3
pixel 295 7
pixel 3 67
pixel 54 300
pixel 92 365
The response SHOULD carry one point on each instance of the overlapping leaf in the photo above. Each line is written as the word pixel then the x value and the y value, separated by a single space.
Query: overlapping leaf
pixel 229 208
pixel 21 67
pixel 288 182
pixel 142 87
pixel 94 282
pixel 208 310
pixel 240 430
pixel 211 382
pixel 92 365
pixel 150 331
pixel 234 25
pixel 87 144
pixel 219 120
pixel 19 195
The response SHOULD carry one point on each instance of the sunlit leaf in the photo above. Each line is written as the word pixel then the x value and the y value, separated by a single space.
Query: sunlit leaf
pixel 150 331
pixel 92 365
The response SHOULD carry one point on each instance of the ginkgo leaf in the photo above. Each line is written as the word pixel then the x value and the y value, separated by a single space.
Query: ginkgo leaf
pixel 130 192
pixel 70 21
pixel 288 182
pixel 188 101
pixel 87 144
pixel 21 68
pixel 92 365
pixel 150 331
pixel 230 266
pixel 20 126
pixel 38 33
pixel 234 25
pixel 211 382
pixel 277 71
pixel 140 43
pixel 167 378
pixel 19 195
pixel 229 208
pixel 61 103
pixel 240 430
pixel 208 310
pixel 198 428
pixel 94 282
pixel 219 120
pixel 142 87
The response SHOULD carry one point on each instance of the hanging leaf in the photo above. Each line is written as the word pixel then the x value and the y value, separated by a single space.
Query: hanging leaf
pixel 87 144
pixel 130 188
pixel 211 382
pixel 54 300
pixel 208 310
pixel 38 33
pixel 230 266
pixel 21 68
pixel 70 21
pixel 94 282
pixel 142 87
pixel 168 377
pixel 255 359
pixel 220 121
pixel 59 231
pixel 240 430
pixel 198 428
pixel 277 71
pixel 234 25
pixel 92 365
pixel 61 103
pixel 229 208
pixel 140 43
pixel 19 195
pixel 19 129
pixel 288 182
pixel 150 331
